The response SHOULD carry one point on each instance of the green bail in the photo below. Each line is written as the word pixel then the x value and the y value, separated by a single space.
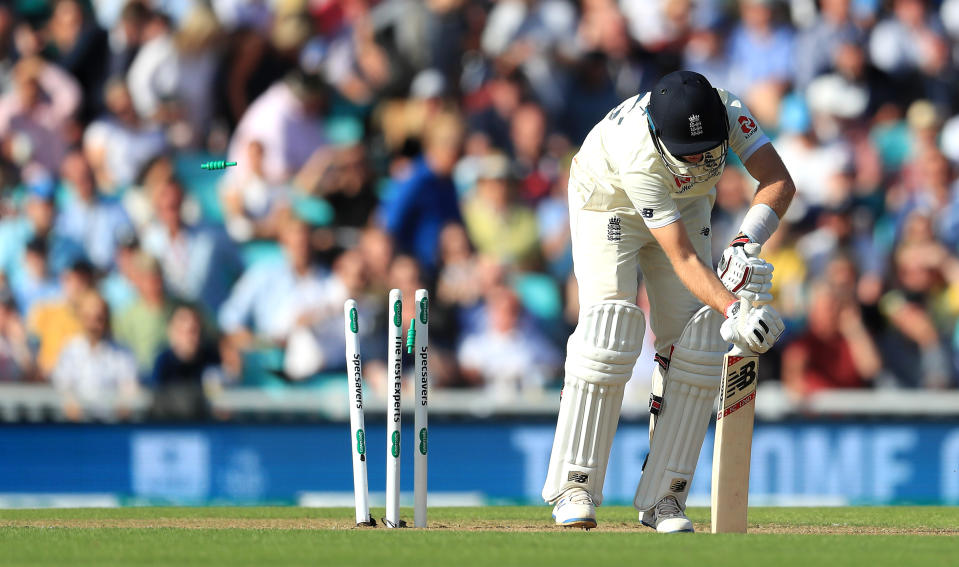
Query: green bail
pixel 411 336
pixel 217 164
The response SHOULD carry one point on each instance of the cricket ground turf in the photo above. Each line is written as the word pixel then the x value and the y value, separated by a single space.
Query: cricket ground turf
pixel 462 537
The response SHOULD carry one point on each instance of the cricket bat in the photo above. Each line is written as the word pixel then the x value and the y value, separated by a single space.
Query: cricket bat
pixel 734 439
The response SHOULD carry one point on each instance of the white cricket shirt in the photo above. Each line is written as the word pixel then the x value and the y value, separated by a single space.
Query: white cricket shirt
pixel 618 167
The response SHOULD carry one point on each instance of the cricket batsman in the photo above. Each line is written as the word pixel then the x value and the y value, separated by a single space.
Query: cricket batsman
pixel 640 193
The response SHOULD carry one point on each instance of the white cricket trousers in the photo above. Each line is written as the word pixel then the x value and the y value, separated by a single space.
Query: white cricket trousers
pixel 609 245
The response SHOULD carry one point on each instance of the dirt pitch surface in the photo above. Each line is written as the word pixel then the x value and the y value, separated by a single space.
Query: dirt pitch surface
pixel 504 519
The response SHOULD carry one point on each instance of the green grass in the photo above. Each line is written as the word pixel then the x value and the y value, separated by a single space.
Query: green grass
pixel 213 538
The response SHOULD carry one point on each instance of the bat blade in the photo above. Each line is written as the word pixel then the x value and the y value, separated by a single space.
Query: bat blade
pixel 733 442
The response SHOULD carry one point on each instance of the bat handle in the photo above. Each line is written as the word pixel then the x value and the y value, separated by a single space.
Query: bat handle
pixel 744 305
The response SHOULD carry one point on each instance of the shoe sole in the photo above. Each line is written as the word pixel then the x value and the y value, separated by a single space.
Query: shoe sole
pixel 585 523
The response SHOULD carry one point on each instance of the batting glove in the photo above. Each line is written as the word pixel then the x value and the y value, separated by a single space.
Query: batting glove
pixel 744 273
pixel 755 329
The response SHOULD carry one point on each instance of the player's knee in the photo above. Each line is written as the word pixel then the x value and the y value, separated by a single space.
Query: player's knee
pixel 669 328
pixel 698 354
pixel 607 342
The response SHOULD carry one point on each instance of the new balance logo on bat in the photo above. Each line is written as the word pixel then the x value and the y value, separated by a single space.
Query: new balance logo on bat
pixel 742 379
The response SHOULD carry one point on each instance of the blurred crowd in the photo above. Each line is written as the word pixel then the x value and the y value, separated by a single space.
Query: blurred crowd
pixel 426 143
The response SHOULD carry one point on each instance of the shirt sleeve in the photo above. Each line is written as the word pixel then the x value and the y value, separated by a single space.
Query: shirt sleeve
pixel 400 199
pixel 63 90
pixel 745 135
pixel 236 310
pixel 650 197
pixel 62 376
pixel 467 356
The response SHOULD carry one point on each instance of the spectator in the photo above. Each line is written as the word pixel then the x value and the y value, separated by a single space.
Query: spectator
pixel 348 187
pixel 838 234
pixel 7 49
pixel 523 36
pixel 492 119
pixel 818 45
pixel 39 111
pixel 836 351
pixel 35 222
pixel 659 25
pixel 295 104
pixel 16 360
pixel 117 286
pixel 138 199
pixel 199 263
pixel 851 62
pixel 423 200
pixel 524 359
pixel 266 302
pixel 197 43
pixel 906 41
pixel 457 283
pixel 528 129
pixel 813 159
pixel 81 48
pixel 591 96
pixel 142 326
pixel 376 247
pixel 96 377
pixel 34 283
pixel 500 226
pixel 171 78
pixel 790 275
pixel 251 205
pixel 760 52
pixel 706 53
pixel 154 75
pixel 120 144
pixel 96 222
pixel 126 33
pixel 916 308
pixel 315 342
pixel 405 275
pixel 54 323
pixel 930 189
pixel 352 59
pixel 734 192
pixel 185 370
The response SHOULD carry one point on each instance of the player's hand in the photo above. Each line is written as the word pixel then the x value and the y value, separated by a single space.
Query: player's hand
pixel 745 274
pixel 756 329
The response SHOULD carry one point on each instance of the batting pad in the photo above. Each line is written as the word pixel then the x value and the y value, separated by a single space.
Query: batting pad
pixel 600 356
pixel 690 386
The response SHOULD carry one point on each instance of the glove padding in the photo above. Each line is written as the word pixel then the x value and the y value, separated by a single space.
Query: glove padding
pixel 745 274
pixel 755 329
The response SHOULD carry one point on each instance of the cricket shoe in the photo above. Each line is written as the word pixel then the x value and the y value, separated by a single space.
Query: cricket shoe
pixel 575 509
pixel 667 517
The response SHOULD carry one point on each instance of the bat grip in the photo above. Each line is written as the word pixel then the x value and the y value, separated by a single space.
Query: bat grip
pixel 744 305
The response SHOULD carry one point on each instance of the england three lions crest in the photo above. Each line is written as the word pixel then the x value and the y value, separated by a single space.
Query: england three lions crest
pixel 695 125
